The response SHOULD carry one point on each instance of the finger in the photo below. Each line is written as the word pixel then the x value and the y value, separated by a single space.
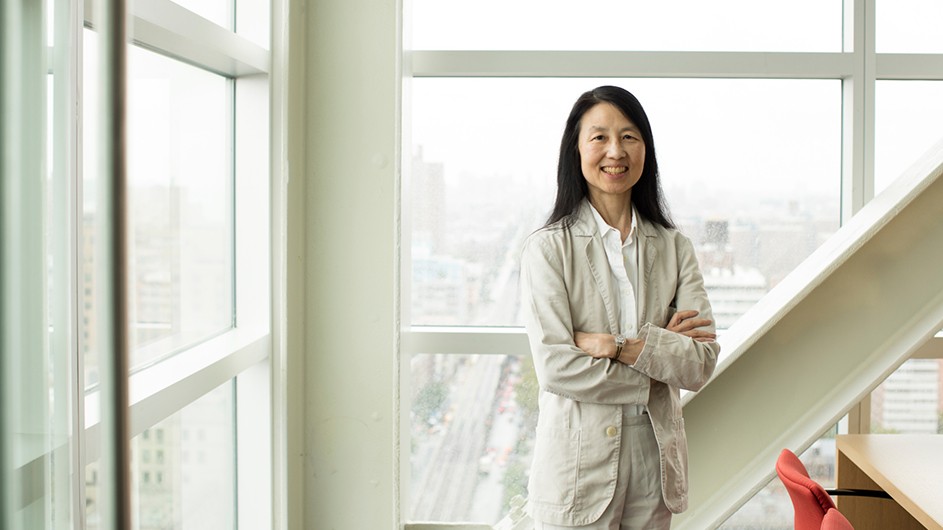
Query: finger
pixel 695 333
pixel 683 319
pixel 674 320
pixel 692 323
pixel 686 314
pixel 677 319
pixel 702 332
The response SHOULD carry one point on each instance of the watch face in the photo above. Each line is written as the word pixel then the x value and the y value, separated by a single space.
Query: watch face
pixel 620 338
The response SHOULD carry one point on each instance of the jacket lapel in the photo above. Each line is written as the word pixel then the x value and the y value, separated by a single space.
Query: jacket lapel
pixel 648 253
pixel 597 261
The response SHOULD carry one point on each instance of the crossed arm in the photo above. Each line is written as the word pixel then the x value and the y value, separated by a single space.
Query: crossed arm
pixel 603 345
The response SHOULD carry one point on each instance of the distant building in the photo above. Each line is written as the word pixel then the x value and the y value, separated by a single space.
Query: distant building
pixel 908 401
pixel 733 288
pixel 428 202
pixel 442 292
pixel 733 291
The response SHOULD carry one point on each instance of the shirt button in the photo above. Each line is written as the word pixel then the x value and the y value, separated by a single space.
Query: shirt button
pixel 611 431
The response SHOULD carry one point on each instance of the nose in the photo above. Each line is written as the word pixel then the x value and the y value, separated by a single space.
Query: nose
pixel 614 148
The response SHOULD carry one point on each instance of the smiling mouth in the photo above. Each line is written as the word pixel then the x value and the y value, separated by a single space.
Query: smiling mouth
pixel 615 170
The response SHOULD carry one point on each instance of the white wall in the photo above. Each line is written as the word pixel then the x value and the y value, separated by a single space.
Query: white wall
pixel 348 273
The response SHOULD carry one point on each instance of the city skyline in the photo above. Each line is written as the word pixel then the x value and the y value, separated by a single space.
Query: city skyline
pixel 464 245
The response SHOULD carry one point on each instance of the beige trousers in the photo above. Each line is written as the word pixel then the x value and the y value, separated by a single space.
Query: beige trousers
pixel 637 503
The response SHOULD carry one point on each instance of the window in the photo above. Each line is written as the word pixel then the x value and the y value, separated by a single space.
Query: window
pixel 191 494
pixel 739 108
pixel 683 25
pixel 905 114
pixel 180 179
pixel 909 401
pixel 772 145
pixel 198 282
pixel 905 26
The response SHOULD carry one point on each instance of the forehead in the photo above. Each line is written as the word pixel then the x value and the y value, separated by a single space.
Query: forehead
pixel 605 116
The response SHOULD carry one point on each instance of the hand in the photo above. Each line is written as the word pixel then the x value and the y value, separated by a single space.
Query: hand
pixel 685 323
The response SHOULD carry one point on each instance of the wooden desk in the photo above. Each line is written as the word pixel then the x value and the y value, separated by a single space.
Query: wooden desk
pixel 908 466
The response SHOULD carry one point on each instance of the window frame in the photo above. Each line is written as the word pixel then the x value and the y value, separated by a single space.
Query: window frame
pixel 858 67
pixel 242 353
pixel 47 459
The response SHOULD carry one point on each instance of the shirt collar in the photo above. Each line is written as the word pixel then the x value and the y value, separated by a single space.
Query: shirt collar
pixel 604 227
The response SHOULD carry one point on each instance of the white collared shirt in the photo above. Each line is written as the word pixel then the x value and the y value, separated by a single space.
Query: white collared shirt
pixel 623 263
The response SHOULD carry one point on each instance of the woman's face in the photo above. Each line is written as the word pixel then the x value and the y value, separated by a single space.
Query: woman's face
pixel 612 153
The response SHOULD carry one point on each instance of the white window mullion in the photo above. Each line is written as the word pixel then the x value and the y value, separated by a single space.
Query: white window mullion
pixel 465 341
pixel 286 166
pixel 168 28
pixel 66 63
pixel 909 66
pixel 163 389
pixel 858 108
pixel 755 65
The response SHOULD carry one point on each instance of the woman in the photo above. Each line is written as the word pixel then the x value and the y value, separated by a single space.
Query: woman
pixel 618 321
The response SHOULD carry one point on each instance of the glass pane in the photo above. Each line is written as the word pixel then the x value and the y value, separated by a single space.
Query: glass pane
pixel 751 169
pixel 692 25
pixel 37 213
pixel 771 507
pixel 908 26
pixel 909 400
pixel 182 469
pixel 907 123
pixel 181 206
pixel 252 21
pixel 472 424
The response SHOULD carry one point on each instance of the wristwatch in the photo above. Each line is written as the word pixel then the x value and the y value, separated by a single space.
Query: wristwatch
pixel 620 342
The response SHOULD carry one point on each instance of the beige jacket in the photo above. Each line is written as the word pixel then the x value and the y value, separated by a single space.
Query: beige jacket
pixel 566 287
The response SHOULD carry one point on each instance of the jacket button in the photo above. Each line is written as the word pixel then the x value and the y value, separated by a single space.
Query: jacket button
pixel 611 431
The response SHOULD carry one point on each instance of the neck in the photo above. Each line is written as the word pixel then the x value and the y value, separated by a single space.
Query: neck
pixel 616 210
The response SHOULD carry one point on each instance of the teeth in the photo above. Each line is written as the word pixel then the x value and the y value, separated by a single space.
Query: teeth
pixel 615 170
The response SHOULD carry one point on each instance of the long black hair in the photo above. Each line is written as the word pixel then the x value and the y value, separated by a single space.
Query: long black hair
pixel 647 196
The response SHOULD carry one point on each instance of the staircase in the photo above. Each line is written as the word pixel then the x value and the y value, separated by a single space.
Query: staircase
pixel 826 336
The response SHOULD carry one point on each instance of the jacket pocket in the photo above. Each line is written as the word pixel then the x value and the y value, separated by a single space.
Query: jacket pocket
pixel 553 474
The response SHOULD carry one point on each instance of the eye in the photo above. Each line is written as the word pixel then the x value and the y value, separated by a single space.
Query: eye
pixel 629 137
pixel 598 137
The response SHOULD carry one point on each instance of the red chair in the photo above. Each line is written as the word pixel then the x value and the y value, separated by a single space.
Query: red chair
pixel 834 520
pixel 810 500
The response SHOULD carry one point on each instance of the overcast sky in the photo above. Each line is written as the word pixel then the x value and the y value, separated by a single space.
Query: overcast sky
pixel 774 136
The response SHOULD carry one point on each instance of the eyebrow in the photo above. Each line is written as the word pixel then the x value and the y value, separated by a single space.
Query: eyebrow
pixel 603 129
